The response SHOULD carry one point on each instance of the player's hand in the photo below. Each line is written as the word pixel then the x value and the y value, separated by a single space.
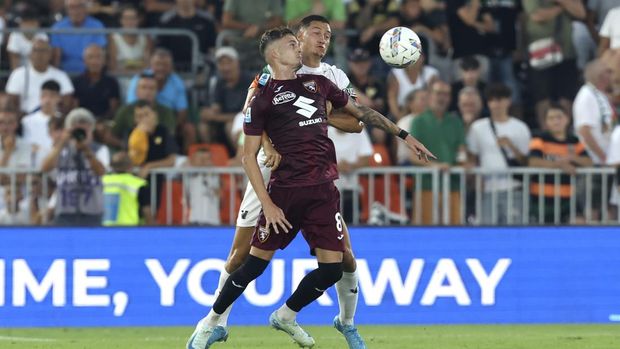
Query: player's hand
pixel 419 149
pixel 273 158
pixel 275 217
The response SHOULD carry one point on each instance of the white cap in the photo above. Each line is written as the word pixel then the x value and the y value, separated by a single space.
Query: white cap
pixel 226 51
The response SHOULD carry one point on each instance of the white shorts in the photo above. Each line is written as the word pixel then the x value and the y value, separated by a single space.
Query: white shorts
pixel 250 206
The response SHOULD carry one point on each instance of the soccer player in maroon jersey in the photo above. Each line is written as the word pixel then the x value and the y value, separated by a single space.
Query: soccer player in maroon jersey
pixel 291 108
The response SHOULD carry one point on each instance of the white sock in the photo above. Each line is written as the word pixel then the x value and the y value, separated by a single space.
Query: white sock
pixel 347 291
pixel 286 314
pixel 212 319
pixel 220 284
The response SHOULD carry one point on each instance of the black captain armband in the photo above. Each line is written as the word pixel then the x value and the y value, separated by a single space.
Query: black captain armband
pixel 403 134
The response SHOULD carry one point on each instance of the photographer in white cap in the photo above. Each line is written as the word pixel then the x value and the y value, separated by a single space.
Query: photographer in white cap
pixel 79 164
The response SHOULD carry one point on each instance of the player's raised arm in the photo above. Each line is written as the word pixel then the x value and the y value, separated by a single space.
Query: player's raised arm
pixel 374 118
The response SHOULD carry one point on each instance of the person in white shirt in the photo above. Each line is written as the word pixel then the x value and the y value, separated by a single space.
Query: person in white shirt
pixel 202 191
pixel 353 151
pixel 610 31
pixel 593 112
pixel 613 159
pixel 19 44
pixel 35 125
pixel 496 143
pixel 24 84
pixel 417 102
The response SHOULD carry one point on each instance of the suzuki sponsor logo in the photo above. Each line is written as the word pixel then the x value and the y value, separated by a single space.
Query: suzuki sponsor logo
pixel 283 97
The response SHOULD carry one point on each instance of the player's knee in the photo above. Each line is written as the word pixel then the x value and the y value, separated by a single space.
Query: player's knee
pixel 348 261
pixel 330 273
pixel 250 270
pixel 234 261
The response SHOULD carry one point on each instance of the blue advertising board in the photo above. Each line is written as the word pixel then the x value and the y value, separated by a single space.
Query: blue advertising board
pixel 168 276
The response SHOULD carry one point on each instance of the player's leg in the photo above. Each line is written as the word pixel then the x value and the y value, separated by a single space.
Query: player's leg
pixel 209 331
pixel 310 288
pixel 348 291
pixel 246 222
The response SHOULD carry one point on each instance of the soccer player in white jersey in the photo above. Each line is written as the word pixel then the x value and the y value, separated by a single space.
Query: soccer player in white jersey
pixel 314 35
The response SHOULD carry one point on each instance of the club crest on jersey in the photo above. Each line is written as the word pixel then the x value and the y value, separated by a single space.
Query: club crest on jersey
pixel 263 234
pixel 310 86
pixel 263 79
pixel 283 97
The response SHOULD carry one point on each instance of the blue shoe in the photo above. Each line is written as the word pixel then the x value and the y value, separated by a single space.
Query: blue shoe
pixel 301 337
pixel 203 337
pixel 350 333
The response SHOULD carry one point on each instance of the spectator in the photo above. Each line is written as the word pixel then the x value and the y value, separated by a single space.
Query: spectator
pixel 94 89
pixel 417 103
pixel 146 90
pixel 470 77
pixel 370 19
pixel 469 106
pixel 553 73
pixel 401 82
pixel 502 42
pixel 35 125
pixel 613 159
pixel 333 10
pixel 154 10
pixel 444 135
pixel 69 48
pixel 19 44
pixel 79 164
pixel 228 96
pixel 593 111
pixel 468 28
pixel 15 153
pixel 127 198
pixel 594 120
pixel 24 84
pixel 353 151
pixel 202 191
pixel 370 89
pixel 170 93
pixel 497 143
pixel 555 148
pixel 185 15
pixel 596 12
pixel 610 31
pixel 129 53
pixel 150 145
pixel 242 24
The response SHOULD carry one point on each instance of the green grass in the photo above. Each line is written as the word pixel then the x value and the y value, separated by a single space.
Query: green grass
pixel 378 337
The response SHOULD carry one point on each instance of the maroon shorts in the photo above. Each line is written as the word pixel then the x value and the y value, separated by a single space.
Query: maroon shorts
pixel 314 209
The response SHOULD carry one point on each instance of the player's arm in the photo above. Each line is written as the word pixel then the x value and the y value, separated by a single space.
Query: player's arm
pixel 272 157
pixel 273 214
pixel 345 122
pixel 376 119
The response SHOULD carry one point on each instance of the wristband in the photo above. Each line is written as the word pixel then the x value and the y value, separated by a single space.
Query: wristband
pixel 403 134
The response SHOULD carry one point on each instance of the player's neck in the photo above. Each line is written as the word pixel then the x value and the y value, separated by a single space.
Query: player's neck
pixel 282 72
pixel 311 61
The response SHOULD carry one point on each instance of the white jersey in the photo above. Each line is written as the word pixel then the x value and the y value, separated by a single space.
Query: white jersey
pixel 250 206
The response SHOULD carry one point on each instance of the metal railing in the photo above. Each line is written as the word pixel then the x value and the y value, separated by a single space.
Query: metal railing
pixel 399 195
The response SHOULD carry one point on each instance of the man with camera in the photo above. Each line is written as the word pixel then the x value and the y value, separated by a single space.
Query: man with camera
pixel 79 163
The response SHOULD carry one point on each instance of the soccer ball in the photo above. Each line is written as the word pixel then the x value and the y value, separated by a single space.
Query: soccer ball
pixel 399 47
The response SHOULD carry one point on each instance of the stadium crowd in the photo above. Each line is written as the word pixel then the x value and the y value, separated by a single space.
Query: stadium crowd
pixel 501 83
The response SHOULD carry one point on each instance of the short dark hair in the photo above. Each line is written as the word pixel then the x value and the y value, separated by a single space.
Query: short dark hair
pixel 51 85
pixel 498 91
pixel 272 35
pixel 305 22
pixel 469 63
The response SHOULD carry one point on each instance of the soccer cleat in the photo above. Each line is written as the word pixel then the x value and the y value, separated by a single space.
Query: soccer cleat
pixel 301 337
pixel 203 337
pixel 350 333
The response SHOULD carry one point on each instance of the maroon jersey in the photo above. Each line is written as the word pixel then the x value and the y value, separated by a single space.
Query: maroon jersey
pixel 293 114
